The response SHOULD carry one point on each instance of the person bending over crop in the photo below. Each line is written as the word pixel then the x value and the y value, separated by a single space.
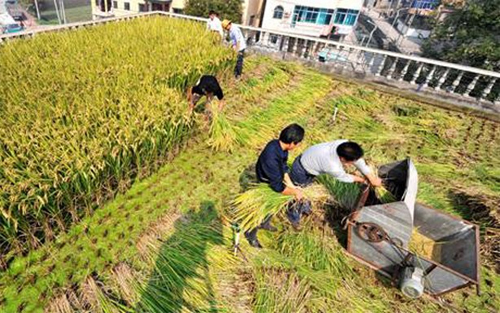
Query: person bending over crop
pixel 207 86
pixel 272 169
pixel 331 158
pixel 239 45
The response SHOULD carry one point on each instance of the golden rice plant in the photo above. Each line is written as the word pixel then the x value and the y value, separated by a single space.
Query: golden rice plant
pixel 88 112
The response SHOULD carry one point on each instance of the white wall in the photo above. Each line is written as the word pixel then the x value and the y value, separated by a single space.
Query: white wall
pixel 309 29
pixel 252 8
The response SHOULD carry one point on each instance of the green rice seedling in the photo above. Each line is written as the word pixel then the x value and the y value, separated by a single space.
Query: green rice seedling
pixel 345 195
pixel 260 201
pixel 384 195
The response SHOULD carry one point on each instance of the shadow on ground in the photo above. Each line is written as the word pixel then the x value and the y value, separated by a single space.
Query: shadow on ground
pixel 181 279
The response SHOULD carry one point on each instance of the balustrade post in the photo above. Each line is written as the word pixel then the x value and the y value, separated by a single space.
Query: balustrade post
pixel 304 49
pixel 488 88
pixel 429 77
pixel 471 86
pixel 339 51
pixel 404 71
pixel 295 46
pixel 456 82
pixel 287 41
pixel 313 51
pixel 371 62
pixel 442 79
pixel 381 66
pixel 416 74
pixel 347 58
pixel 392 68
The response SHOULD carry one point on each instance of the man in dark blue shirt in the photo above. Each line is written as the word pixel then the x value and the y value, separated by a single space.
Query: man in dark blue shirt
pixel 272 168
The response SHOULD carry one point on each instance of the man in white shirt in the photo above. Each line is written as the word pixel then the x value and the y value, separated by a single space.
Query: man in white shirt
pixel 239 45
pixel 214 24
pixel 331 158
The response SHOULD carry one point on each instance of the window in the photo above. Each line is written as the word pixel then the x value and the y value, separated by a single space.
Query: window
pixel 273 39
pixel 424 4
pixel 178 11
pixel 104 5
pixel 278 12
pixel 126 6
pixel 303 14
pixel 115 4
pixel 142 7
pixel 346 17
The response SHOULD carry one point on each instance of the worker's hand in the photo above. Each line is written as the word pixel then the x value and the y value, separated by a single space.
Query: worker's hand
pixel 376 182
pixel 298 194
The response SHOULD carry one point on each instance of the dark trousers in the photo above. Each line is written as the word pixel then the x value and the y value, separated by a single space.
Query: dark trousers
pixel 252 233
pixel 302 178
pixel 299 175
pixel 238 70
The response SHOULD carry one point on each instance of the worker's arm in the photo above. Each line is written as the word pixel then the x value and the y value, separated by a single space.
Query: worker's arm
pixel 288 181
pixel 374 180
pixel 278 180
pixel 365 170
pixel 296 192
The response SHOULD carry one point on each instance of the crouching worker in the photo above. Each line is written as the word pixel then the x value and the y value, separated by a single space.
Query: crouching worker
pixel 207 86
pixel 272 169
pixel 331 158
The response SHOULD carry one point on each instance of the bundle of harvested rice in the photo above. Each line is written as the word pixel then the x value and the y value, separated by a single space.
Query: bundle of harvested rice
pixel 259 202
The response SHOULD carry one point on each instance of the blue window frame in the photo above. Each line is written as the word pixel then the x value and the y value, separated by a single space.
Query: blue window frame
pixel 319 16
pixel 346 17
pixel 424 4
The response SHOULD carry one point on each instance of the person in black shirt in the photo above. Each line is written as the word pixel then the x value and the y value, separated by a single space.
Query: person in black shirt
pixel 207 86
pixel 272 168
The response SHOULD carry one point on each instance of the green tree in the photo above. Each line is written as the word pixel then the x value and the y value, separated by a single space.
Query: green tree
pixel 227 9
pixel 470 35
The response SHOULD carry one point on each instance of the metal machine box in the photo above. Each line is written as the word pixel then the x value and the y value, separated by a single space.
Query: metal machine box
pixel 380 235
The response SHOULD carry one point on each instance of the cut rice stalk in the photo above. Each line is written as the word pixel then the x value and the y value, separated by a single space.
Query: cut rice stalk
pixel 222 134
pixel 253 206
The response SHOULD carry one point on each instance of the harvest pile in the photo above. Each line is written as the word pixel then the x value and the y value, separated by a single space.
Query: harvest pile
pixel 164 245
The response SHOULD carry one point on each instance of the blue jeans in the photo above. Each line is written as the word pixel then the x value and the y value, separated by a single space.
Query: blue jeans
pixel 238 70
pixel 299 175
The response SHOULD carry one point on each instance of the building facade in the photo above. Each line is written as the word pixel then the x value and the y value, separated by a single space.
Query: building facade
pixel 319 18
pixel 106 8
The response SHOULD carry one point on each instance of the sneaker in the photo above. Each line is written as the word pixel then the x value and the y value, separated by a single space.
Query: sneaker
pixel 296 226
pixel 269 228
pixel 255 243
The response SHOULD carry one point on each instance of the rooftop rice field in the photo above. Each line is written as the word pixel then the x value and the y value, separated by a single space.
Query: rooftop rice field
pixel 114 200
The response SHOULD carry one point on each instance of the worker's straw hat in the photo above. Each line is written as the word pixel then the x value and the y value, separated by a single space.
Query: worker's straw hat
pixel 226 23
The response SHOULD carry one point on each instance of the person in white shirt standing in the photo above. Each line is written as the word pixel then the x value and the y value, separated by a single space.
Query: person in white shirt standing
pixel 214 24
pixel 239 45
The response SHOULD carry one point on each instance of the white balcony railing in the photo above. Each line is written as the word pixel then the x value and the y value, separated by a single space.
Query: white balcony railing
pixel 476 86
